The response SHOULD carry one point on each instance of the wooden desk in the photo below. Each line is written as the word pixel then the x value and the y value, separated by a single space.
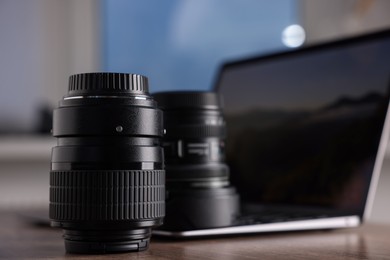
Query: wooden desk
pixel 20 239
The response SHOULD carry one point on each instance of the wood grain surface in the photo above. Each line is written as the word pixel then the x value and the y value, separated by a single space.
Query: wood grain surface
pixel 21 238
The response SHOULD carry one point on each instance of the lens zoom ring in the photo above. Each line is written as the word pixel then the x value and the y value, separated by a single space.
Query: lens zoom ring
pixel 107 195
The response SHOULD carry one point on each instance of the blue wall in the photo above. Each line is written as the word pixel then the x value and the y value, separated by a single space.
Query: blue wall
pixel 179 44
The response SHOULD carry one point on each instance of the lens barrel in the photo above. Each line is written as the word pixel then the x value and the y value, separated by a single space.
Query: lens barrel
pixel 107 179
pixel 199 194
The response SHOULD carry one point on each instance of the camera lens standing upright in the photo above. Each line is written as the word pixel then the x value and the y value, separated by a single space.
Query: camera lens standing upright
pixel 199 194
pixel 107 179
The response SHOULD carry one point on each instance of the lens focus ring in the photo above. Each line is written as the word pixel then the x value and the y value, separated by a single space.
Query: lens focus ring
pixel 196 131
pixel 86 195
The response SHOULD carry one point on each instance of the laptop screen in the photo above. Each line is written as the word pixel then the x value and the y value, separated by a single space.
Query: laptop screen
pixel 304 126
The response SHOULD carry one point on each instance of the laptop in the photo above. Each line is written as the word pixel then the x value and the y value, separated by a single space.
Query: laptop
pixel 307 134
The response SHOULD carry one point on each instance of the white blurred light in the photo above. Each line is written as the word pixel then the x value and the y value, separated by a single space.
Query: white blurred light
pixel 293 36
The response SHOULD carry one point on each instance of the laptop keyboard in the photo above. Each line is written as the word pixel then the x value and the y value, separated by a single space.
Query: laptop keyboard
pixel 274 216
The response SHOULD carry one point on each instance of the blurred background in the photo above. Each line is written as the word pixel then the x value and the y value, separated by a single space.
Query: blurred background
pixel 178 44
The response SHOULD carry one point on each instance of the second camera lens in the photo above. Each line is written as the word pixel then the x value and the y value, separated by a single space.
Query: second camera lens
pixel 199 193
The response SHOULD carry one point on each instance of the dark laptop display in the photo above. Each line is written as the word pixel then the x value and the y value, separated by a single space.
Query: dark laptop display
pixel 307 134
pixel 304 126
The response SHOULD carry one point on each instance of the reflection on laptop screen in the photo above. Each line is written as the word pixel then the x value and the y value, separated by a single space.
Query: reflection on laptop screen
pixel 304 126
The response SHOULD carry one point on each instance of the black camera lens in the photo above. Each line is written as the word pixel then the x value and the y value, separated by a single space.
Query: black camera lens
pixel 199 192
pixel 107 179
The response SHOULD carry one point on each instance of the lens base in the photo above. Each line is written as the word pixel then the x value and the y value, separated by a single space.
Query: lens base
pixel 192 209
pixel 107 241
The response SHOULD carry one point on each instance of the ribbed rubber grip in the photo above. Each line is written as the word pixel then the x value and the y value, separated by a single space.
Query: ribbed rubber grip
pixel 86 195
pixel 107 82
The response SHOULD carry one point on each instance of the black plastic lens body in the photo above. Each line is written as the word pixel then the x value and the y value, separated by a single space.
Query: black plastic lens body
pixel 107 179
pixel 199 193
